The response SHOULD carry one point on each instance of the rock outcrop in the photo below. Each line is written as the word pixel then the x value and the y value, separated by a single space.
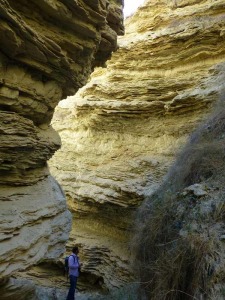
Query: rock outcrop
pixel 180 230
pixel 121 132
pixel 47 51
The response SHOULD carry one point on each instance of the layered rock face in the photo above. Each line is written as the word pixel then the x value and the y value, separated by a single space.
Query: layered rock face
pixel 122 131
pixel 47 51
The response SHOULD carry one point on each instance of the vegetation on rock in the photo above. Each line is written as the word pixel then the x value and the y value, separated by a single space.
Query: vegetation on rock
pixel 179 240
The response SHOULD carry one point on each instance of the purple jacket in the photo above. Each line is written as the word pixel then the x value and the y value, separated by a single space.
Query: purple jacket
pixel 74 264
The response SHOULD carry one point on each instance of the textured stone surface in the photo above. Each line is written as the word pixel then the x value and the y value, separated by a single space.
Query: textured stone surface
pixel 24 289
pixel 47 51
pixel 34 224
pixel 121 132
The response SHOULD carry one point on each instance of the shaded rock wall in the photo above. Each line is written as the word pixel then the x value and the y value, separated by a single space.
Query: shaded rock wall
pixel 121 132
pixel 47 51
pixel 179 240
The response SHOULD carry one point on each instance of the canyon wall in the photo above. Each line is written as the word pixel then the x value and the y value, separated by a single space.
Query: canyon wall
pixel 47 51
pixel 122 131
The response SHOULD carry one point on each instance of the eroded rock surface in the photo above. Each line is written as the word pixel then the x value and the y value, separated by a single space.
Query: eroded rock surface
pixel 122 131
pixel 47 51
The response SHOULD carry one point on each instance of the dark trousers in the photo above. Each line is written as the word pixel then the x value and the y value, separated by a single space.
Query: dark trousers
pixel 73 284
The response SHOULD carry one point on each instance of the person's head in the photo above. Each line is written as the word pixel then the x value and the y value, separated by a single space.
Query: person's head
pixel 75 250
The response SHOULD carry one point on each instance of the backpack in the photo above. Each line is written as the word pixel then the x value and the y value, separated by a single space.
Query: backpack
pixel 66 266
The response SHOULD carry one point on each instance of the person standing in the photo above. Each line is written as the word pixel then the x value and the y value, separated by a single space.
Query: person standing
pixel 74 268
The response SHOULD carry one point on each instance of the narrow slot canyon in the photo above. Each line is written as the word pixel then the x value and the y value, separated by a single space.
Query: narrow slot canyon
pixel 112 139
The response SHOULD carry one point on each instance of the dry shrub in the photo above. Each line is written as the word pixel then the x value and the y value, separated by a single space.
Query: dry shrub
pixel 203 157
pixel 172 266
pixel 169 266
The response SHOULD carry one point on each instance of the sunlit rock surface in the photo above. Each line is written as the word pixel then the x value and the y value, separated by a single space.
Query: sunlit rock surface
pixel 121 132
pixel 47 51
pixel 37 230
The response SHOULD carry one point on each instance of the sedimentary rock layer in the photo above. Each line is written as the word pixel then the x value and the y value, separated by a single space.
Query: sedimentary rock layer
pixel 34 224
pixel 121 132
pixel 47 51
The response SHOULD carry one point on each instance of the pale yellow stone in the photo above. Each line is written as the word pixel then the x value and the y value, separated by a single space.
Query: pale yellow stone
pixel 47 51
pixel 121 132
